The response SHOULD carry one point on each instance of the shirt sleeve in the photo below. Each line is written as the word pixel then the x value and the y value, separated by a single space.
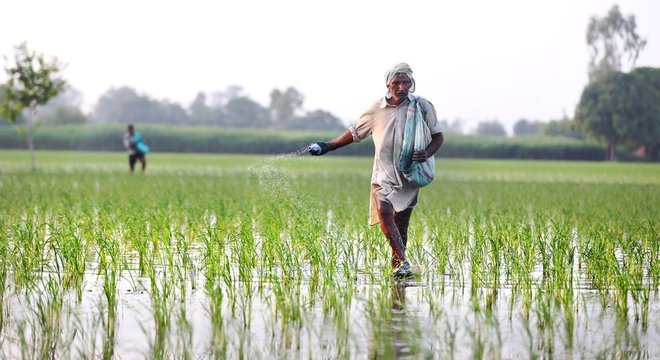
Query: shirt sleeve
pixel 363 127
pixel 431 118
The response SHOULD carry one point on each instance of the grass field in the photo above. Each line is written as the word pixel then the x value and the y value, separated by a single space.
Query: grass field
pixel 216 256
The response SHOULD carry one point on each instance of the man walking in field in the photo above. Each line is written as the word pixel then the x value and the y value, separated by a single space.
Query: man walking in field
pixel 392 195
pixel 137 149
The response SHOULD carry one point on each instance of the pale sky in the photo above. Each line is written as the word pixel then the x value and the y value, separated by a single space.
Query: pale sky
pixel 474 59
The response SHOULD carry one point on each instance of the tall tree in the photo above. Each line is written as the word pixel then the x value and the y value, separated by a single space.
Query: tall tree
pixel 317 120
pixel 613 41
pixel 124 105
pixel 121 105
pixel 284 105
pixel 63 109
pixel 526 127
pixel 32 82
pixel 219 99
pixel 454 127
pixel 245 113
pixel 200 113
pixel 64 115
pixel 594 113
pixel 490 128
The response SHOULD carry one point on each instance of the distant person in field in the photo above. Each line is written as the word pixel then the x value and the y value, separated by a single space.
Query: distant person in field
pixel 137 149
pixel 392 195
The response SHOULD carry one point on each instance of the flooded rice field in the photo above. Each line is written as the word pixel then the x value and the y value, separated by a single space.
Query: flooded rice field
pixel 273 258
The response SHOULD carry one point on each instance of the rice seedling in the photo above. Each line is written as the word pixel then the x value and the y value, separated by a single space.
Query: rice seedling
pixel 4 258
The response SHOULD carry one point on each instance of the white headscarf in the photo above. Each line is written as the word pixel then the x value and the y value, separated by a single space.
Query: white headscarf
pixel 401 68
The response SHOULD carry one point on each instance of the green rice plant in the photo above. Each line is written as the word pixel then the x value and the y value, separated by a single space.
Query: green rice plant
pixel 41 333
pixel 230 290
pixel 436 246
pixel 184 339
pixel 521 258
pixel 477 337
pixel 247 262
pixel 478 264
pixel 336 304
pixel 378 304
pixel 597 254
pixel 289 302
pixel 544 311
pixel 110 264
pixel 85 339
pixel 530 337
pixel 219 337
pixel 69 248
pixel 161 302
pixel 213 251
pixel 181 264
pixel 653 239
pixel 4 264
pixel 110 321
pixel 27 252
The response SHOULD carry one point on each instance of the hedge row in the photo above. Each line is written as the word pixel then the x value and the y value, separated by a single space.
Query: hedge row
pixel 222 140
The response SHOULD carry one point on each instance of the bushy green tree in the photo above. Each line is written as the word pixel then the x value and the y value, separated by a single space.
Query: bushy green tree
pixel 599 105
pixel 32 82
pixel 620 108
pixel 646 91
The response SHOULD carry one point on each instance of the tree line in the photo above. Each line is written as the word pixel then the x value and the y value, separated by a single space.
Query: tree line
pixel 232 108
pixel 617 107
pixel 229 108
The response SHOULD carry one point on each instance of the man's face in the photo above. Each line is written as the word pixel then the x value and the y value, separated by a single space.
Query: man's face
pixel 399 87
pixel 131 130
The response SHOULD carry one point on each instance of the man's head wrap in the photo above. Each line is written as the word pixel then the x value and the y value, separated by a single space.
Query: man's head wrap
pixel 401 68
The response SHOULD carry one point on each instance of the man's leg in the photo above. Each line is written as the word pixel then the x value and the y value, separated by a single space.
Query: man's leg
pixel 143 161
pixel 391 231
pixel 131 161
pixel 402 219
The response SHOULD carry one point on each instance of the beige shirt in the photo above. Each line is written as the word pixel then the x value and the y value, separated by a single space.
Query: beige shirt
pixel 386 124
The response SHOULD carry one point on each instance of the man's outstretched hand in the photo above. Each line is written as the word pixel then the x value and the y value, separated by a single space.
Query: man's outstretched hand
pixel 318 148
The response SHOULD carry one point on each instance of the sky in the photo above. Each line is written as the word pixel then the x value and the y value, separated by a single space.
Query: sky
pixel 475 60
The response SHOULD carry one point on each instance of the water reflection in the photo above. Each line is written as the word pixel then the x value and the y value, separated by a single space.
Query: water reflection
pixel 393 335
pixel 399 322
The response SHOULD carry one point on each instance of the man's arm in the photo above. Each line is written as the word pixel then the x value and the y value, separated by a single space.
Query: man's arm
pixel 431 149
pixel 340 141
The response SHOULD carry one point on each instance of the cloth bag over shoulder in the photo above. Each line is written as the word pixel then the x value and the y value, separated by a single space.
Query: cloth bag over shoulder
pixel 139 143
pixel 416 137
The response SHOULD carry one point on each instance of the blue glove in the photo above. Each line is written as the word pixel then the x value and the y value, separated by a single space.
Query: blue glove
pixel 318 148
